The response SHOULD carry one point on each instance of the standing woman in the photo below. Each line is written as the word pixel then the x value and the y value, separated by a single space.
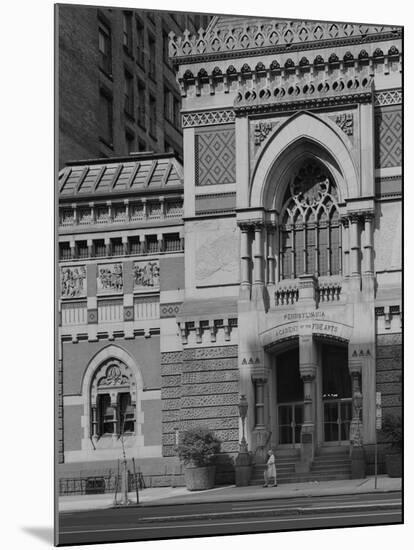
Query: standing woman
pixel 270 470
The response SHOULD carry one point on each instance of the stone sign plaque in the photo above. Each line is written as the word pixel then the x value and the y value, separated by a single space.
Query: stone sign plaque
pixel 110 278
pixel 146 275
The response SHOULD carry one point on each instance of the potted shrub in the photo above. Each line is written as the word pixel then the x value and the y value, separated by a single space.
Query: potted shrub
pixel 197 451
pixel 392 430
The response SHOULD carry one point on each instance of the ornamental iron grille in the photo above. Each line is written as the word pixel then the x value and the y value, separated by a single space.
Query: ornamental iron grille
pixel 310 237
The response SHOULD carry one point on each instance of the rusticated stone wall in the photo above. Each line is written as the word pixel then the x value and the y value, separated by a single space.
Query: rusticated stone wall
pixel 389 372
pixel 200 387
pixel 389 383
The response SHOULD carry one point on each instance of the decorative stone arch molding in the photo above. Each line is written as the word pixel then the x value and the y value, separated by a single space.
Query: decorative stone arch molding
pixel 111 368
pixel 302 135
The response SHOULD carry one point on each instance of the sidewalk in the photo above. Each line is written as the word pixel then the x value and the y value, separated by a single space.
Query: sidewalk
pixel 179 495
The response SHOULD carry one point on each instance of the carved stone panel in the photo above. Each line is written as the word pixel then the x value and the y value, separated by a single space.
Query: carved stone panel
pixel 110 278
pixel 73 281
pixel 146 275
pixel 217 259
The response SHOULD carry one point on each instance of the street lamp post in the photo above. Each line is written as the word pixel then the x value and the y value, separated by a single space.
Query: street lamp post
pixel 243 406
pixel 243 459
pixel 357 449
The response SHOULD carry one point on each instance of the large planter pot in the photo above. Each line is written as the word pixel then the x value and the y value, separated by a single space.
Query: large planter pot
pixel 393 464
pixel 199 478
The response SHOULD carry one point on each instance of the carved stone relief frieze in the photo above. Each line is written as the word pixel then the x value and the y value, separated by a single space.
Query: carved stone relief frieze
pixel 261 131
pixel 110 278
pixel 146 275
pixel 72 281
pixel 345 121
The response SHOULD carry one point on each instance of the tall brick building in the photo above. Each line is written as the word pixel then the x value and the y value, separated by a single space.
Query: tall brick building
pixel 268 265
pixel 117 91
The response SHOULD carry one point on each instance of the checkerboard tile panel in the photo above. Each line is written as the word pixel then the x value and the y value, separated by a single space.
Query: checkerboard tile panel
pixel 215 157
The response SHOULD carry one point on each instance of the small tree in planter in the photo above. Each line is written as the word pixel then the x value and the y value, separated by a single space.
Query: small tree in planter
pixel 197 451
pixel 392 430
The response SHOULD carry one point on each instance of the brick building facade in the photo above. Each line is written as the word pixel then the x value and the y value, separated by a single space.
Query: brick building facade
pixel 117 89
pixel 288 288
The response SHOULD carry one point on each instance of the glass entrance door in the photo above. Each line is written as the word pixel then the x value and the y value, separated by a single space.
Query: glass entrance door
pixel 290 423
pixel 337 419
pixel 337 394
pixel 289 398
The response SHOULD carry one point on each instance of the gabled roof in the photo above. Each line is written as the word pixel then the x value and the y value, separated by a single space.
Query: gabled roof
pixel 149 172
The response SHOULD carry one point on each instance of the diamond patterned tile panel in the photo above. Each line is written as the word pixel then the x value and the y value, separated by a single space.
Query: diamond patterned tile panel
pixel 388 132
pixel 215 154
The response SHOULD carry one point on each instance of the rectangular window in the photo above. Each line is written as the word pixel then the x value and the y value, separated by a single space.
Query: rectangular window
pixel 82 249
pixel 134 245
pixel 165 50
pixel 64 251
pixel 151 244
pixel 142 146
pixel 177 113
pixel 151 56
pixel 168 104
pixel 105 118
pixel 141 104
pixel 117 247
pixel 105 49
pixel 130 142
pixel 140 50
pixel 99 248
pixel 127 31
pixel 129 94
pixel 168 148
pixel 152 117
pixel 172 242
pixel 106 415
pixel 126 413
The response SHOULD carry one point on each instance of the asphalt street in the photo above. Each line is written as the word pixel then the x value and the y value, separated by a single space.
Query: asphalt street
pixel 194 520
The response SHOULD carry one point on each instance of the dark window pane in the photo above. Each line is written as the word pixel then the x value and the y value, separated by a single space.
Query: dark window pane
pixel 105 118
pixel 289 382
pixel 105 48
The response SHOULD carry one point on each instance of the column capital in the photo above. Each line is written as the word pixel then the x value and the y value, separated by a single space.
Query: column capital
pixel 244 226
pixel 258 225
pixel 307 371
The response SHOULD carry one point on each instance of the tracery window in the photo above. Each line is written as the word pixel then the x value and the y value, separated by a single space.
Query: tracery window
pixel 310 237
pixel 113 400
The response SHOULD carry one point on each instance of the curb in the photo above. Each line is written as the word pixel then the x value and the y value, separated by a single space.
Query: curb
pixel 277 512
pixel 170 501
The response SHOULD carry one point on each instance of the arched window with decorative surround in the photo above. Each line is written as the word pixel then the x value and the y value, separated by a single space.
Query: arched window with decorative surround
pixel 310 233
pixel 113 400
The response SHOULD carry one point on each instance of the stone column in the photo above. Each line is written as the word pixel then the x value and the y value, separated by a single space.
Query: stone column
pixel 258 265
pixel 355 435
pixel 271 260
pixel 307 367
pixel 160 241
pixel 90 247
pixel 258 272
pixel 107 246
pixel 116 419
pixel 142 244
pixel 94 423
pixel 345 247
pixel 125 245
pixel 355 252
pixel 368 267
pixel 259 402
pixel 245 261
